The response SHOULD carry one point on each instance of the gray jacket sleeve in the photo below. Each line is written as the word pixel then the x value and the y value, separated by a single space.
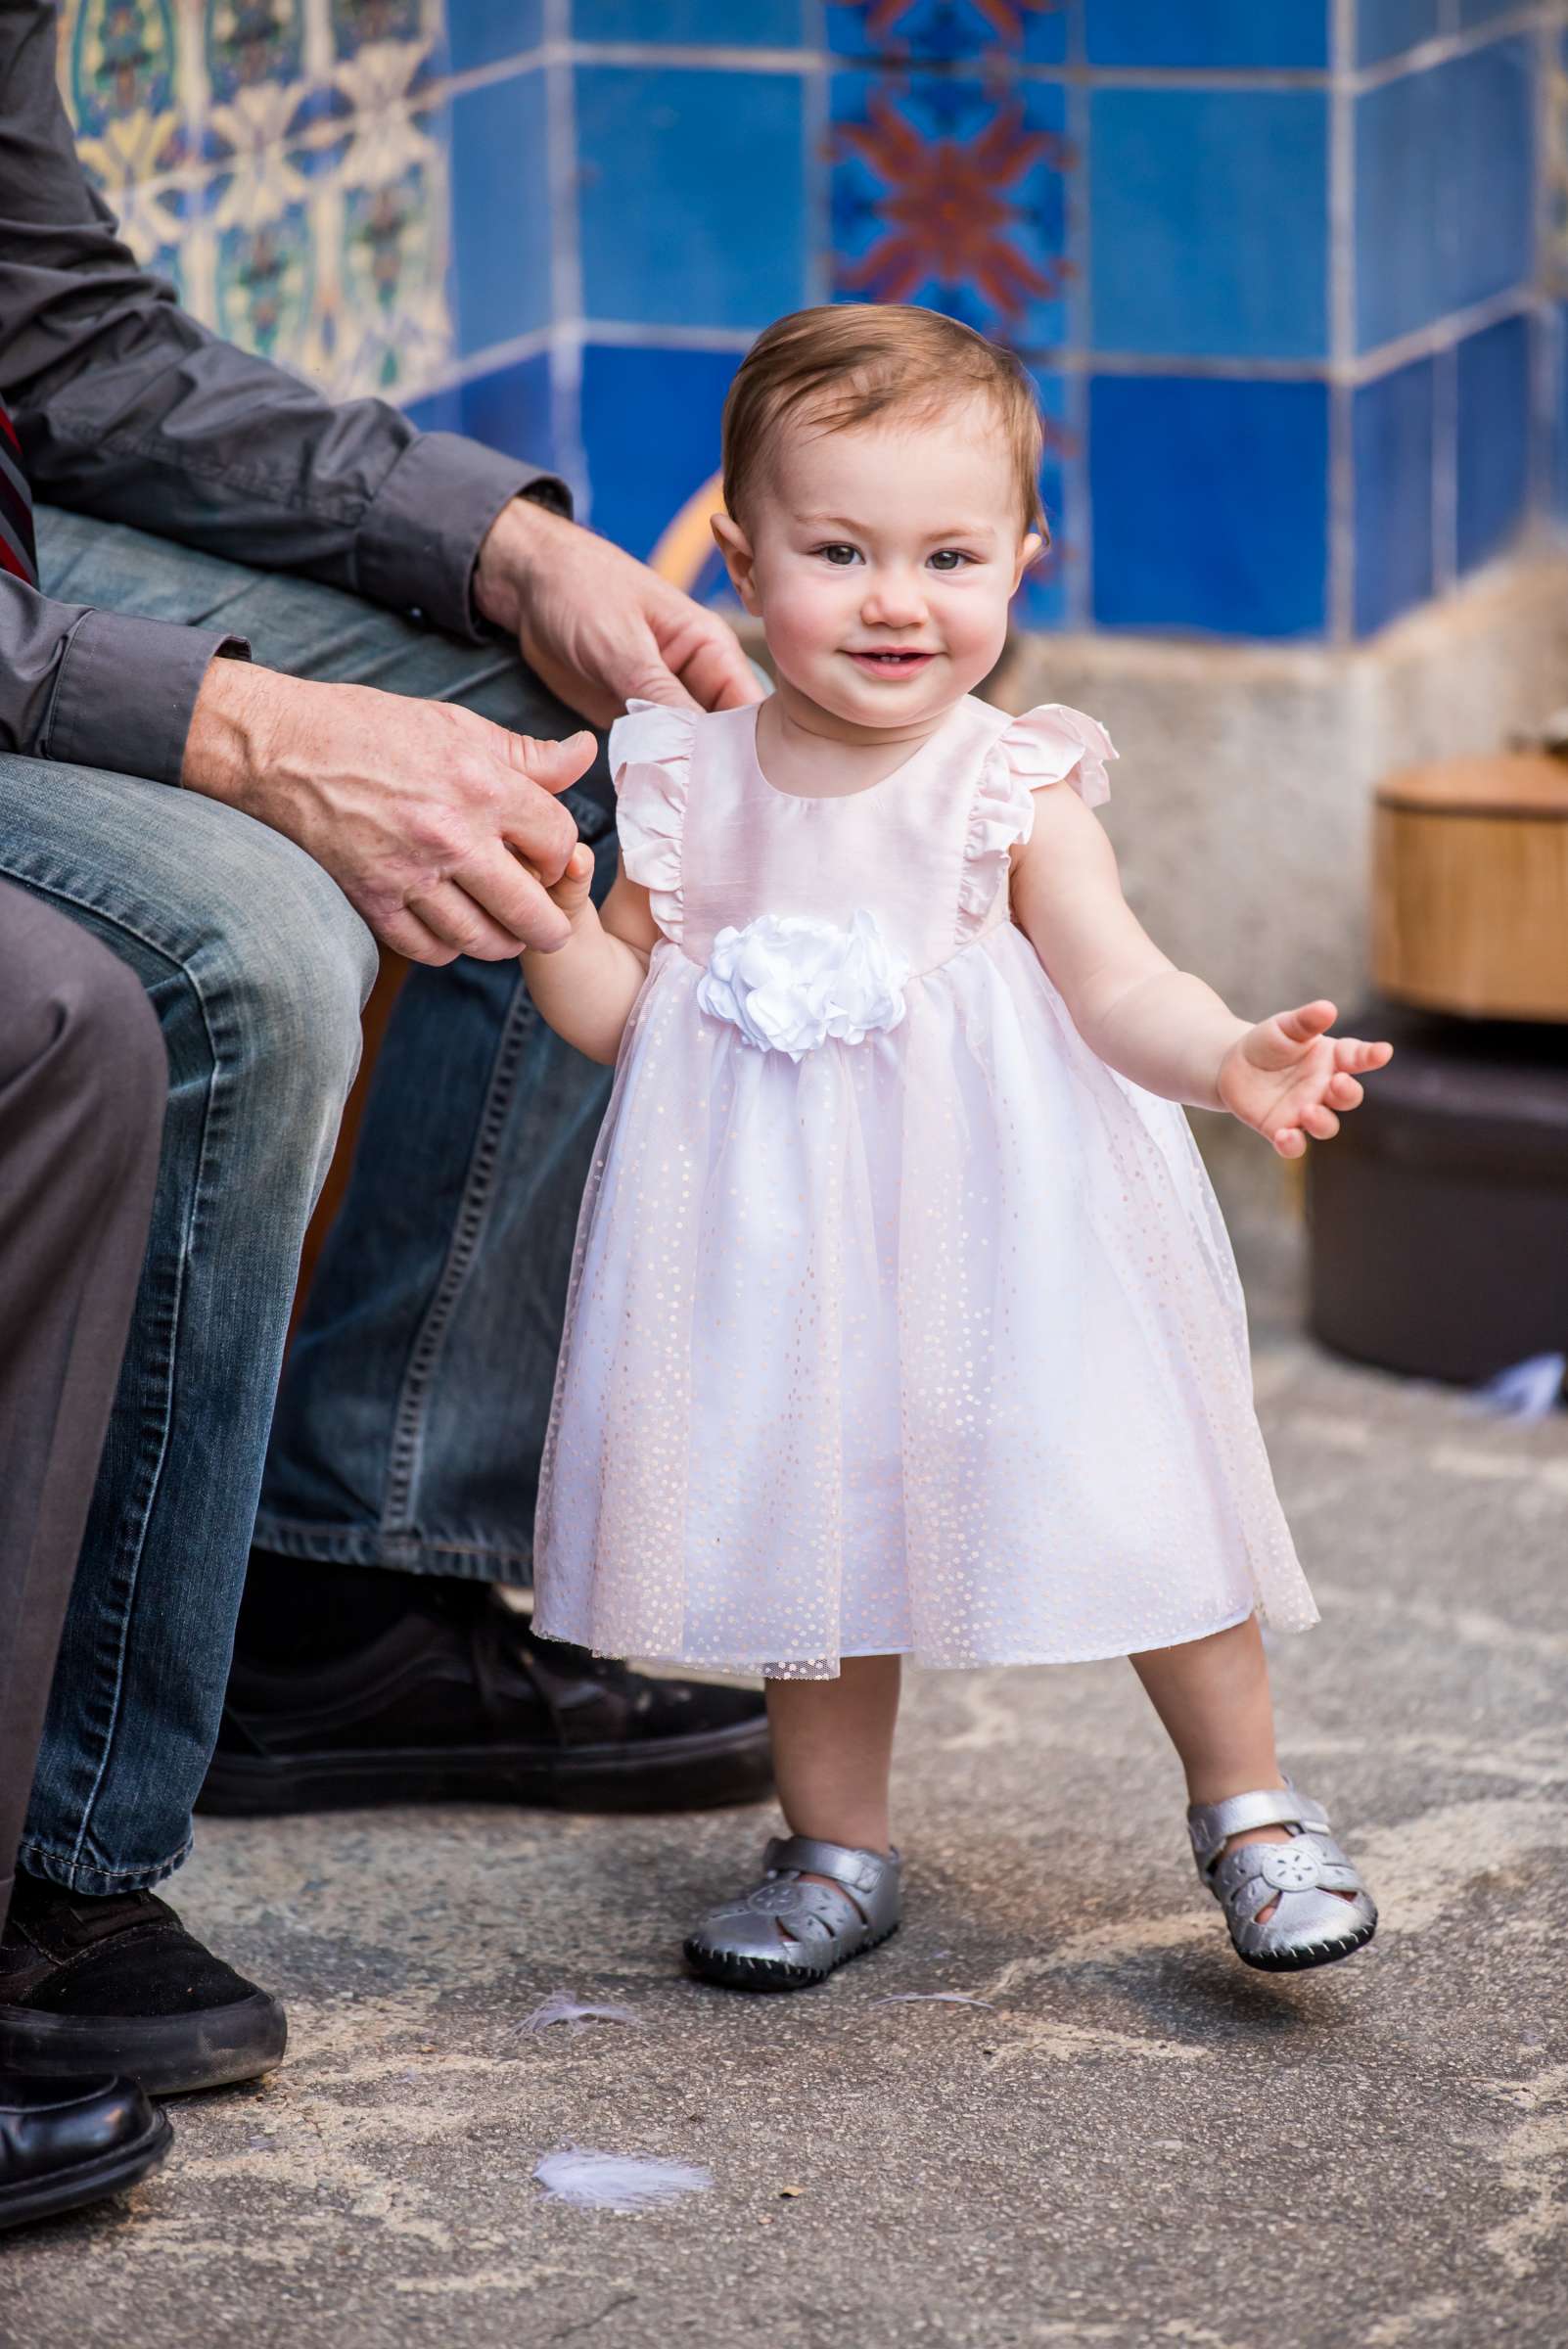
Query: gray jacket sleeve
pixel 128 408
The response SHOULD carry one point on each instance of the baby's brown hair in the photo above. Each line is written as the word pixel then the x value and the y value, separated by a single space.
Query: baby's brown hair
pixel 845 363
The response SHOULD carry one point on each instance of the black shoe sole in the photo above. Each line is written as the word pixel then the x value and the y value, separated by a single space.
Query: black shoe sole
pixel 89 2181
pixel 1319 1953
pixel 701 1772
pixel 769 1973
pixel 167 2054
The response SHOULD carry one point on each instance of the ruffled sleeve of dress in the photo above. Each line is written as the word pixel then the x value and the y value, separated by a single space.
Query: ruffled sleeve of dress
pixel 1052 744
pixel 650 757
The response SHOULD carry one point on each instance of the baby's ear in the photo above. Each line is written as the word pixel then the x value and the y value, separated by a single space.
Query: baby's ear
pixel 736 548
pixel 1032 547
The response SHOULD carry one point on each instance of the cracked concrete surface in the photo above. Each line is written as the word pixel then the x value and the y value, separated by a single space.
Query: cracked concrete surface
pixel 1137 2141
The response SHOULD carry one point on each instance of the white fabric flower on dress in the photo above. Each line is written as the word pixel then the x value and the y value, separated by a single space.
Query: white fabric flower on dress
pixel 788 982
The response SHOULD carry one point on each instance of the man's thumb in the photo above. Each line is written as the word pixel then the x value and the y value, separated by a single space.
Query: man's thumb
pixel 557 766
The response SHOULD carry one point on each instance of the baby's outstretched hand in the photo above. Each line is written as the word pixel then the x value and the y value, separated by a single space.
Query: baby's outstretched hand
pixel 1287 1076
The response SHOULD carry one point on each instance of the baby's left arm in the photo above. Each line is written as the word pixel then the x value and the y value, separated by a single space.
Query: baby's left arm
pixel 1161 1027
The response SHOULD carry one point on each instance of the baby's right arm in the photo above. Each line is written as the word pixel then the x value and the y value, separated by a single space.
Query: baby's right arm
pixel 586 987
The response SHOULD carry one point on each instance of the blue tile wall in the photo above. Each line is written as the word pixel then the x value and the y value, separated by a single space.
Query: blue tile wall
pixel 724 245
pixel 1385 28
pixel 1173 172
pixel 500 210
pixel 1493 412
pixel 484 32
pixel 650 429
pixel 399 195
pixel 1206 33
pixel 726 24
pixel 1209 499
pixel 1392 443
pixel 1445 188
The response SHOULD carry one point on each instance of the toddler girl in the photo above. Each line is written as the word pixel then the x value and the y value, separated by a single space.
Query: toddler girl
pixel 902 1321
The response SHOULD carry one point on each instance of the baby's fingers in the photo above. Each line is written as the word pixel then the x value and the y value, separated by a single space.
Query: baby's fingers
pixel 1308 1021
pixel 1289 1141
pixel 1319 1122
pixel 1343 1093
pixel 1352 1053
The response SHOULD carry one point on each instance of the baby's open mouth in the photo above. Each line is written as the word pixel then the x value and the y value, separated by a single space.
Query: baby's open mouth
pixel 898 662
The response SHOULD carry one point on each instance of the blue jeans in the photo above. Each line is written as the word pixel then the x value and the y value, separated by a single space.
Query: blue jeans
pixel 410 1417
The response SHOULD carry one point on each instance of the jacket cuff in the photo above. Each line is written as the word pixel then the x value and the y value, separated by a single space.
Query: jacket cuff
pixel 420 539
pixel 125 690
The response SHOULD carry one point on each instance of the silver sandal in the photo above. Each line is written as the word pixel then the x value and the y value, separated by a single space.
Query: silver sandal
pixel 1310 1925
pixel 787 1932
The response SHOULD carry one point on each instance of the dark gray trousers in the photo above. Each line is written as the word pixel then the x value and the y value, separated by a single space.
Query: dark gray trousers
pixel 83 1081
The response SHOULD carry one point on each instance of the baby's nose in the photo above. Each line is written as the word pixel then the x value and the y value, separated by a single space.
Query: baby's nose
pixel 893 600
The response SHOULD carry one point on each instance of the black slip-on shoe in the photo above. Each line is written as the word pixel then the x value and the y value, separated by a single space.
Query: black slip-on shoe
pixel 445 1709
pixel 116 1985
pixel 65 2142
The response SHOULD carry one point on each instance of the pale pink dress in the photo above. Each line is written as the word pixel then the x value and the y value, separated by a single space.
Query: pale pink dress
pixel 927 1342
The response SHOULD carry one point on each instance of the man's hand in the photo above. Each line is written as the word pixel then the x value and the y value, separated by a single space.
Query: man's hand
pixel 439 828
pixel 1287 1076
pixel 600 629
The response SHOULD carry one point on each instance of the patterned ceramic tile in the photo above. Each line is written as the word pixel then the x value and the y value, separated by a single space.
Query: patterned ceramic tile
pixel 950 31
pixel 948 194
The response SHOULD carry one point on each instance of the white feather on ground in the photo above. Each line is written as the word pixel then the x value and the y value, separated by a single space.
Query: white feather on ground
pixel 561 2007
pixel 618 2181
pixel 930 1998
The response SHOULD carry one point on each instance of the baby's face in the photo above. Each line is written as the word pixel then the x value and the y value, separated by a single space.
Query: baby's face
pixel 882 560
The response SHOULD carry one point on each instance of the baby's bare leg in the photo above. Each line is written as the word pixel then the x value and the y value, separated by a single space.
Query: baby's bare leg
pixel 833 1751
pixel 1213 1696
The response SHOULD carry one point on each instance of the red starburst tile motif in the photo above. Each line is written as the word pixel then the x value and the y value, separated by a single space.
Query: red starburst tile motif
pixel 952 212
pixel 1008 20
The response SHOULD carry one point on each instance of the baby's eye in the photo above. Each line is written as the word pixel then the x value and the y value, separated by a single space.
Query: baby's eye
pixel 840 556
pixel 949 558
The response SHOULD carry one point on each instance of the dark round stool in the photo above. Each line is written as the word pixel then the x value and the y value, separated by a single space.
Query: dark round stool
pixel 1437 1218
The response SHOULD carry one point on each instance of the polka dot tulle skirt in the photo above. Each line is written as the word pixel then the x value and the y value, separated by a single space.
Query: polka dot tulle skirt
pixel 920 1337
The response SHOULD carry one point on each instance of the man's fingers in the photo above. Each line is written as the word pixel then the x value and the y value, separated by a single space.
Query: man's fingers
pixel 717 672
pixel 498 888
pixel 461 922
pixel 408 936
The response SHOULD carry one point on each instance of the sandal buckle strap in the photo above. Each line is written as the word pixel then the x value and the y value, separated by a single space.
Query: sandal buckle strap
pixel 861 1872
pixel 1210 1825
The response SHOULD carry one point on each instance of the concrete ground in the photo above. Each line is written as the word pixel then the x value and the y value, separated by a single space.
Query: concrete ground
pixel 1135 2140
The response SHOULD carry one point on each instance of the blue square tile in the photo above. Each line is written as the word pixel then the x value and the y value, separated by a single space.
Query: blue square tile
pixel 751 24
pixel 1494 438
pixel 500 212
pixel 481 33
pixel 1210 503
pixel 1042 601
pixel 1207 32
pixel 650 433
pixel 948 31
pixel 1445 188
pixel 1557 328
pixel 508 409
pixel 1209 222
pixel 952 193
pixel 692 199
pixel 1392 439
pixel 1482 12
pixel 1385 28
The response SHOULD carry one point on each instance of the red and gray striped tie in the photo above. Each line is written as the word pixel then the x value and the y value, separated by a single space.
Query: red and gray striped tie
pixel 19 551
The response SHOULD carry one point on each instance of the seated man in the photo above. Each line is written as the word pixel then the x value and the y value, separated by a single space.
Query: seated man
pixel 237 831
pixel 82 1083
